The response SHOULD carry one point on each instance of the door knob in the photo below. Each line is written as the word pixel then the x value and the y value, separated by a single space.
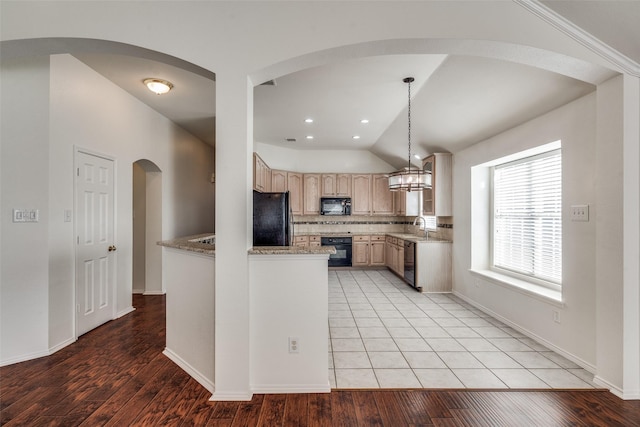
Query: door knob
pixel 112 248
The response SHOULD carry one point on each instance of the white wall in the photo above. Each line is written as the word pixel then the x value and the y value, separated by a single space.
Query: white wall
pixel 308 161
pixel 24 280
pixel 82 109
pixel 575 125
pixel 234 40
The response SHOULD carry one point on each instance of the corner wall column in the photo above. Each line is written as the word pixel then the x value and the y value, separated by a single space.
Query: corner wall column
pixel 234 142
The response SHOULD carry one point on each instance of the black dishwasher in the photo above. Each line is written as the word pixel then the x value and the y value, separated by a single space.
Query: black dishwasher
pixel 410 263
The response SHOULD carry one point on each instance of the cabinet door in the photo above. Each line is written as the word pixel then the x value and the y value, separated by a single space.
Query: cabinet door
pixel 278 181
pixel 311 194
pixel 360 254
pixel 295 186
pixel 261 175
pixel 361 194
pixel 389 255
pixel 399 202
pixel 428 199
pixel 343 185
pixel 328 185
pixel 382 197
pixel 377 252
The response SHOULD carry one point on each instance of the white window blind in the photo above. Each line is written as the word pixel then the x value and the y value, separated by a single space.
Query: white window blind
pixel 527 222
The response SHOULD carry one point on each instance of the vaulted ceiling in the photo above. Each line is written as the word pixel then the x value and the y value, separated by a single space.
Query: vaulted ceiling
pixel 456 100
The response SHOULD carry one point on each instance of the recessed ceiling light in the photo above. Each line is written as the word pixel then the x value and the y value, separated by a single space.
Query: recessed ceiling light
pixel 356 136
pixel 309 120
pixel 364 121
pixel 309 136
pixel 158 86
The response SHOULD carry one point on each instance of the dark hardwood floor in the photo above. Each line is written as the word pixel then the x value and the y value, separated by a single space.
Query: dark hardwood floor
pixel 116 375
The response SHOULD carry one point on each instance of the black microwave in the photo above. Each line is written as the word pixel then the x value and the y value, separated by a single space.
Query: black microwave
pixel 335 206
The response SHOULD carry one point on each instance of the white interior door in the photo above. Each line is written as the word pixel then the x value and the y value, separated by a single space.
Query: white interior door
pixel 95 249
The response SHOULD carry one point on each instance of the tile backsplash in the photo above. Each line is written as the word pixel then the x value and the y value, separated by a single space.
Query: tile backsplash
pixel 352 224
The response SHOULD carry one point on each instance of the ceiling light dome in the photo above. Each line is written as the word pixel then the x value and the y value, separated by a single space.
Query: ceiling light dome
pixel 158 86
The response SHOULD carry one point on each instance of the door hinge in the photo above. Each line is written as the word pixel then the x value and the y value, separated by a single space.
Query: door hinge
pixel 78 171
pixel 78 240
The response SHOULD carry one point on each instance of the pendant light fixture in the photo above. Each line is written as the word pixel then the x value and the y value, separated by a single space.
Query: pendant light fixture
pixel 409 178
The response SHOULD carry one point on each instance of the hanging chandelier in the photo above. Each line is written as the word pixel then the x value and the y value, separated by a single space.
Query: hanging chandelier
pixel 409 178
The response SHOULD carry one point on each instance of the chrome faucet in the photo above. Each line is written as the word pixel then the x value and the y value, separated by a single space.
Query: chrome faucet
pixel 424 225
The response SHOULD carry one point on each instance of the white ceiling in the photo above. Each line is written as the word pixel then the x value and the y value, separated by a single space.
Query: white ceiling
pixel 456 100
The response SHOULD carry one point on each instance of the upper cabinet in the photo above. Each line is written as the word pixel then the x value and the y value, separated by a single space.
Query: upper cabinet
pixel 361 194
pixel 261 174
pixel 437 199
pixel 382 197
pixel 295 186
pixel 336 185
pixel 278 181
pixel 311 194
pixel 406 203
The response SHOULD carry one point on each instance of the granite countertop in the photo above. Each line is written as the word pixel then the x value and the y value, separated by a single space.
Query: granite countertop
pixel 417 239
pixel 201 243
pixel 403 236
pixel 292 250
pixel 205 244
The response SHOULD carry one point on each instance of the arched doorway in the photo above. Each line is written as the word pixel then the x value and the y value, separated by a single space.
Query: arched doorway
pixel 147 228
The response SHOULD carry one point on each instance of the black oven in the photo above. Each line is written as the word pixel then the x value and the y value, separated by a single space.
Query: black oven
pixel 342 257
pixel 335 206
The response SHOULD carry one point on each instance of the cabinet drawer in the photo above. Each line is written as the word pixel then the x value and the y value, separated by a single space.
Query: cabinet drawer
pixel 360 238
pixel 301 239
pixel 314 239
pixel 377 238
pixel 392 240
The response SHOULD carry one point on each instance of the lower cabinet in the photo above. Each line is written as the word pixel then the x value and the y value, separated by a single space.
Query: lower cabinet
pixel 360 253
pixel 394 255
pixel 377 251
pixel 433 266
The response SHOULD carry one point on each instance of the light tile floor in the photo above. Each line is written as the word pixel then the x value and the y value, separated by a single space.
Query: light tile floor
pixel 384 334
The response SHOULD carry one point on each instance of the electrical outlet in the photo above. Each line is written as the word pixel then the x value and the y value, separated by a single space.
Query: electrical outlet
pixel 294 345
pixel 556 316
pixel 579 212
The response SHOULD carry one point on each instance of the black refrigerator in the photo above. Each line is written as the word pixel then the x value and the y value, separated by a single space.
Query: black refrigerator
pixel 272 219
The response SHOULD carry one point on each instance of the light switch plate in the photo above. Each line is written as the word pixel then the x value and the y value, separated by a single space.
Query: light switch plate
pixel 26 215
pixel 579 212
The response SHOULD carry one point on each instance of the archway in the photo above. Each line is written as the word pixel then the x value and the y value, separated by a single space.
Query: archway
pixel 147 228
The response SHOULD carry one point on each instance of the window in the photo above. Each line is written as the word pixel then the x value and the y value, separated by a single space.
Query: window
pixel 527 218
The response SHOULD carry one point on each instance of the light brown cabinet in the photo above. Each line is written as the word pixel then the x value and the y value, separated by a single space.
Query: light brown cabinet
pixel 295 187
pixel 311 194
pixel 278 181
pixel 382 197
pixel 261 174
pixel 437 199
pixel 302 241
pixel 336 185
pixel 315 241
pixel 361 194
pixel 377 251
pixel 360 254
pixel 394 251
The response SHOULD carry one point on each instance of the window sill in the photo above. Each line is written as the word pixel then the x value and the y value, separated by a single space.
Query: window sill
pixel 527 288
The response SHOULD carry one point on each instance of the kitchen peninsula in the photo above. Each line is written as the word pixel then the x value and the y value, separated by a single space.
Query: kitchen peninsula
pixel 288 306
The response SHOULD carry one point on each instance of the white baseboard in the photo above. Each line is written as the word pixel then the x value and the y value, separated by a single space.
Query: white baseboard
pixel 612 388
pixel 231 396
pixel 124 312
pixel 575 359
pixel 138 291
pixel 153 293
pixel 194 373
pixel 38 354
